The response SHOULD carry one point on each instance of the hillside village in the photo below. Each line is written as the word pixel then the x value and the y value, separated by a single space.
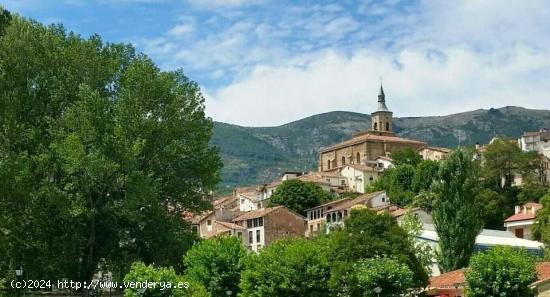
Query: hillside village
pixel 353 166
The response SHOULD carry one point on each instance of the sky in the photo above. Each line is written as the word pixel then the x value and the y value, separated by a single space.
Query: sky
pixel 270 62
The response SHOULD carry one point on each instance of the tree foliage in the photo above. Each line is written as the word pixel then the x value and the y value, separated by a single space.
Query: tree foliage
pixel 501 271
pixel 406 156
pixel 392 276
pixel 288 267
pixel 370 235
pixel 100 152
pixel 298 195
pixel 456 208
pixel 541 229
pixel 216 264
pixel 167 283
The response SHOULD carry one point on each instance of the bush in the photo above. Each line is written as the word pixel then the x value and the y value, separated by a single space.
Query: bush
pixel 216 264
pixel 501 271
pixel 288 267
pixel 168 283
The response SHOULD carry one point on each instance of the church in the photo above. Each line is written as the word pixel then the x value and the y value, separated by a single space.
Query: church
pixel 365 147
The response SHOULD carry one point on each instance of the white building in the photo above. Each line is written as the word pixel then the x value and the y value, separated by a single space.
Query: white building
pixel 522 221
pixel 536 141
pixel 358 177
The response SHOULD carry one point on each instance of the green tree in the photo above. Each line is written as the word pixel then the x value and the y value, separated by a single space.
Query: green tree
pixel 288 267
pixel 424 175
pixel 501 158
pixel 495 208
pixel 5 18
pixel 167 283
pixel 541 229
pixel 368 234
pixel 397 182
pixel 392 276
pixel 456 208
pixel 298 195
pixel 406 156
pixel 501 271
pixel 216 264
pixel 100 152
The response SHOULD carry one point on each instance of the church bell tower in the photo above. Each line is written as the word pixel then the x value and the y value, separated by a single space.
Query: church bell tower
pixel 382 118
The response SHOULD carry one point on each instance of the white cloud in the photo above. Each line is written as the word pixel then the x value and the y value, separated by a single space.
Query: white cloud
pixel 215 4
pixel 436 59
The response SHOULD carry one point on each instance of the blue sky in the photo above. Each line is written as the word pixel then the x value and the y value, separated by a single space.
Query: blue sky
pixel 267 62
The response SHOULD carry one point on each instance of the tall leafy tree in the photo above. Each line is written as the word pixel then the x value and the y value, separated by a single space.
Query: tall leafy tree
pixel 299 195
pixel 288 267
pixel 502 271
pixel 100 152
pixel 216 264
pixel 393 277
pixel 456 208
pixel 541 229
pixel 424 175
pixel 367 235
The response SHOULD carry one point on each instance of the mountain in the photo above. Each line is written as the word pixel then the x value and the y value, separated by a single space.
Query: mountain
pixel 254 155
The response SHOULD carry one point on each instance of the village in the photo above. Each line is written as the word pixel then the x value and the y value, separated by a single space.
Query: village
pixel 350 167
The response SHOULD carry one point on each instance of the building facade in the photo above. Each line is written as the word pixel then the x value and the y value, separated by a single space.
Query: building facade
pixel 522 221
pixel 365 147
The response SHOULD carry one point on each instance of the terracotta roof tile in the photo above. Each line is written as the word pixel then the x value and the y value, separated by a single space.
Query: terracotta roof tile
pixel 359 200
pixel 521 217
pixel 256 213
pixel 543 271
pixel 449 279
pixel 372 137
pixel 230 225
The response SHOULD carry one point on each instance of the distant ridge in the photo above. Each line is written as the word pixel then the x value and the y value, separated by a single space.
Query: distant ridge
pixel 259 154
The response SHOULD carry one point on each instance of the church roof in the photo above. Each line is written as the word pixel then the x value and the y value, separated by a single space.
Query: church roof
pixel 382 100
pixel 368 137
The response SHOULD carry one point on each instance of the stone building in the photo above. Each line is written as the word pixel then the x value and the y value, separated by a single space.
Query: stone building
pixel 367 146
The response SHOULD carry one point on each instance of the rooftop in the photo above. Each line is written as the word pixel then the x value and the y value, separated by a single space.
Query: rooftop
pixel 364 137
pixel 256 213
pixel 365 198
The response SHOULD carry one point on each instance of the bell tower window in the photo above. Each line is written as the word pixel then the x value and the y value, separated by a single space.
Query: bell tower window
pixel 387 126
pixel 375 126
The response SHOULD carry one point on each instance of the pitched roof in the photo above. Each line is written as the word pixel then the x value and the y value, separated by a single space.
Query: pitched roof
pixel 449 279
pixel 439 149
pixel 529 215
pixel 362 167
pixel 223 200
pixel 359 200
pixel 256 213
pixel 372 138
pixel 230 225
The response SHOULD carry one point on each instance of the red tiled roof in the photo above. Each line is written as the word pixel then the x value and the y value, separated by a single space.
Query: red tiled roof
pixel 365 198
pixel 230 225
pixel 521 217
pixel 256 213
pixel 374 138
pixel 449 279
pixel 543 271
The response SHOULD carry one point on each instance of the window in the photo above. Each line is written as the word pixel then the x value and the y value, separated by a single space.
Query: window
pixel 328 164
pixel 209 222
pixel 387 126
pixel 375 126
pixel 343 160
pixel 260 222
pixel 371 178
pixel 358 158
pixel 239 234
pixel 242 200
pixel 257 235
pixel 255 222
pixel 343 182
pixel 248 223
pixel 250 237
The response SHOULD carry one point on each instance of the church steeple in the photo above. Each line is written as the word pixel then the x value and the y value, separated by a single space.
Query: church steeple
pixel 382 118
pixel 382 100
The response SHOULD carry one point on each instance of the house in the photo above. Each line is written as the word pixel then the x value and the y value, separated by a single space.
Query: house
pixel 228 229
pixel 224 209
pixel 358 177
pixel 316 219
pixel 542 285
pixel 485 240
pixel 521 222
pixel 366 146
pixel 536 141
pixel 453 283
pixel 265 225
pixel 336 215
pixel 434 153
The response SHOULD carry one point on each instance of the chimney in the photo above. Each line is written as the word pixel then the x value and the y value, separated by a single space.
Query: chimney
pixel 518 209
